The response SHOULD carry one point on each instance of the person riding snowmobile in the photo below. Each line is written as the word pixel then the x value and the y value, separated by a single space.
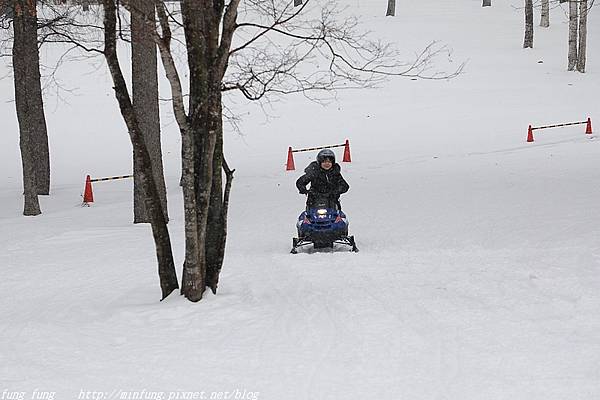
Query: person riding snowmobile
pixel 325 178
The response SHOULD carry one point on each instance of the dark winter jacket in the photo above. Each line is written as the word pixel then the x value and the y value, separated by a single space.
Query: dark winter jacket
pixel 322 182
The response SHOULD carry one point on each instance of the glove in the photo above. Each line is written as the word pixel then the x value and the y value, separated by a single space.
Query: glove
pixel 303 191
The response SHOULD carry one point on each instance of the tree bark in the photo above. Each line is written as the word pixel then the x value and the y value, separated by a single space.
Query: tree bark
pixel 486 3
pixel 26 57
pixel 145 102
pixel 581 53
pixel 29 106
pixel 391 8
pixel 573 20
pixel 166 266
pixel 200 38
pixel 215 225
pixel 545 15
pixel 215 260
pixel 528 40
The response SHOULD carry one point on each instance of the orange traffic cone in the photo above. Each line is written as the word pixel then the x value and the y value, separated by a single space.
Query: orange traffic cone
pixel 290 160
pixel 347 152
pixel 88 196
pixel 588 128
pixel 530 134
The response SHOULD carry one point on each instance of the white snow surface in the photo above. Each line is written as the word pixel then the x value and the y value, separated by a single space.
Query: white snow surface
pixel 479 270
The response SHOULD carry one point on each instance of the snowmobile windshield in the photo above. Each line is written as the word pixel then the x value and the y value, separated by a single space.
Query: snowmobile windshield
pixel 323 202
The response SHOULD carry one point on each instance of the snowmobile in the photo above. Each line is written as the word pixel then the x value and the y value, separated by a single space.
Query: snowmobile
pixel 322 225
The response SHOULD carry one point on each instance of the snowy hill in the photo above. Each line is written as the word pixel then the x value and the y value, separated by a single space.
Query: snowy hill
pixel 479 271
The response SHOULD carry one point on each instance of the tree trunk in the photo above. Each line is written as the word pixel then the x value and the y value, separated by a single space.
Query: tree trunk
pixel 216 258
pixel 581 54
pixel 145 102
pixel 187 182
pixel 200 38
pixel 205 138
pixel 528 41
pixel 29 106
pixel 166 266
pixel 486 3
pixel 573 19
pixel 207 53
pixel 215 227
pixel 545 16
pixel 391 8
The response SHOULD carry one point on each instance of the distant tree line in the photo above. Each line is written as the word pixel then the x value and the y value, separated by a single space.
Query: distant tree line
pixel 578 11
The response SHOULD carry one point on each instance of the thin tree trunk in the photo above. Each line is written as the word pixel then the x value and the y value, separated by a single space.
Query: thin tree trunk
pixel 573 19
pixel 214 234
pixel 391 8
pixel 29 106
pixel 166 266
pixel 545 16
pixel 220 199
pixel 187 150
pixel 528 41
pixel 486 3
pixel 581 54
pixel 145 102
pixel 215 262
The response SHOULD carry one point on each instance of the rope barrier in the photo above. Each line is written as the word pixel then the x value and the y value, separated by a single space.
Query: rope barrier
pixel 533 128
pixel 111 178
pixel 318 148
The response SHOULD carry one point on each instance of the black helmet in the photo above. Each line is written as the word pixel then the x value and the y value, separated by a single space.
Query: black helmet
pixel 326 153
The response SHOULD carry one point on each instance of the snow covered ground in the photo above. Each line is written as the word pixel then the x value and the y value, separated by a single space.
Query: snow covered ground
pixel 479 271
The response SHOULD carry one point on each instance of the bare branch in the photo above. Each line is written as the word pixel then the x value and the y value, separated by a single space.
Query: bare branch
pixel 317 53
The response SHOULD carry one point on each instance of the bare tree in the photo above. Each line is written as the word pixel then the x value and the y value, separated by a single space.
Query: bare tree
pixel 391 8
pixel 545 14
pixel 582 50
pixel 528 40
pixel 145 101
pixel 573 27
pixel 33 23
pixel 166 266
pixel 29 104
